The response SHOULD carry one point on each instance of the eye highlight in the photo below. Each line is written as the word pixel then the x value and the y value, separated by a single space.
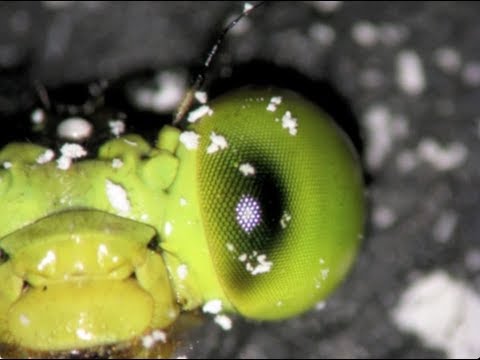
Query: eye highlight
pixel 282 205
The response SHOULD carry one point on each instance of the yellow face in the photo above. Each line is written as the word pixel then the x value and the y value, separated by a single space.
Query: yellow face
pixel 257 205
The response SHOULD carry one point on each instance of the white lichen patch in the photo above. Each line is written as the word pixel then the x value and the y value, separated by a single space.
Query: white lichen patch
pixel 410 74
pixel 256 264
pixel 443 312
pixel 285 219
pixel 182 271
pixel 448 59
pixel 323 34
pixel 68 153
pixel 38 116
pixel 365 34
pixel 218 142
pixel 383 217
pixel 45 157
pixel 162 96
pixel 117 196
pixel 247 169
pixel 213 307
pixel 117 127
pixel 7 165
pixel 183 202
pixel 117 163
pixel 190 139
pixel 442 158
pixel 290 123
pixel 75 129
pixel 198 113
pixel 224 322
pixel 201 97
pixel 471 74
pixel 319 306
pixel 445 226
pixel 383 128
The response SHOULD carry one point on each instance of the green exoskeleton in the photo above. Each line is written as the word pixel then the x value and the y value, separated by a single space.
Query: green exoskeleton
pixel 258 204
pixel 255 207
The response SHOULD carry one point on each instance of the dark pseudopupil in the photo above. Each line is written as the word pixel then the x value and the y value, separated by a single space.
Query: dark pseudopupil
pixel 244 210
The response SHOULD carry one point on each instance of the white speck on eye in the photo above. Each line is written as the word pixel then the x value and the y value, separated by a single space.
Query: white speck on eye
pixel 256 264
pixel 182 357
pixel 198 113
pixel 445 226
pixel 182 271
pixel 117 127
pixel 168 228
pixel 365 33
pixel 183 201
pixel 410 74
pixel 218 142
pixel 144 217
pixel 456 330
pixel 383 217
pixel 117 196
pixel 38 116
pixel 7 165
pixel 84 335
pixel 117 163
pixel 271 107
pixel 75 128
pixel 69 152
pixel 247 169
pixel 190 139
pixel 24 320
pixel 201 97
pixel 47 260
pixel 323 34
pixel 321 261
pixel 448 59
pixel 213 307
pixel 274 102
pixel 247 7
pixel 224 322
pixel 279 303
pixel 285 219
pixel 230 247
pixel 290 123
pixel 319 306
pixel 46 157
pixel 442 158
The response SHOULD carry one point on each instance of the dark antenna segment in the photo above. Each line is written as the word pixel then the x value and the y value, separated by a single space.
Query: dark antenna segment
pixel 187 101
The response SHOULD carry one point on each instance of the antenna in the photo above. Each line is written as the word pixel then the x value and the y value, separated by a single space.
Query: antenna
pixel 187 101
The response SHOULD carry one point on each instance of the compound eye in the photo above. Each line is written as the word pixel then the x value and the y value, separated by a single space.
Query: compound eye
pixel 281 197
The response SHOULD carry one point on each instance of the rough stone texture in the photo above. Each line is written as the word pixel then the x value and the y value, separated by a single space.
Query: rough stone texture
pixel 83 41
